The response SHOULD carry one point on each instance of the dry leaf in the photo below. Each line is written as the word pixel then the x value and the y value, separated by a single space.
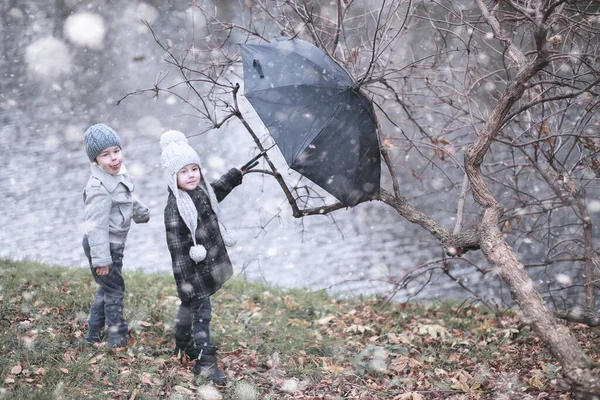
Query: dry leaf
pixel 411 396
pixel 434 331
pixel 401 338
pixel 182 390
pixel 146 379
pixel 97 358
pixel 298 322
pixel 334 369
pixel 462 386
pixel 536 382
pixel 64 370
pixel 399 364
pixel 16 370
pixel 508 333
pixel 358 328
pixel 289 303
pixel 326 320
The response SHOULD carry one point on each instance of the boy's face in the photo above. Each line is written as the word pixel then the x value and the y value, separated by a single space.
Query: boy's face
pixel 110 159
pixel 188 177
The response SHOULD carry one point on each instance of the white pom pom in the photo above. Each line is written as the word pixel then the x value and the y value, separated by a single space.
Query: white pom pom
pixel 229 238
pixel 198 253
pixel 170 137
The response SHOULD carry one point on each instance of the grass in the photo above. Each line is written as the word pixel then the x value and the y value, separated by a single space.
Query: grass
pixel 274 344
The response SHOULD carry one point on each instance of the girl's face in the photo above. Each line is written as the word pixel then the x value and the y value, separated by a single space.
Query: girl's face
pixel 110 159
pixel 188 177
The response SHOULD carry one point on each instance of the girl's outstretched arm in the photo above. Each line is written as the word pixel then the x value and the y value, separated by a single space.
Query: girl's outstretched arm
pixel 224 185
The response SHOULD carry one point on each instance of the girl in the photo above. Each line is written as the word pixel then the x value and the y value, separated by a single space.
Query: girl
pixel 196 238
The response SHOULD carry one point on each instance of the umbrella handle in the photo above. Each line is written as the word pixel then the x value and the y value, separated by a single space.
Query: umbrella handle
pixel 252 163
pixel 247 167
pixel 257 66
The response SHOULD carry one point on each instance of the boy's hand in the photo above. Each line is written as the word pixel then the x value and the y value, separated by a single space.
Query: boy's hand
pixel 242 169
pixel 102 271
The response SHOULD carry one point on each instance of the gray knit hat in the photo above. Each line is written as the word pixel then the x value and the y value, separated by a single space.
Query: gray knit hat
pixel 99 137
pixel 176 154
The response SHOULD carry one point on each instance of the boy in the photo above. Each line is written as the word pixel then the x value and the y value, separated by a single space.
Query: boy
pixel 109 208
pixel 196 238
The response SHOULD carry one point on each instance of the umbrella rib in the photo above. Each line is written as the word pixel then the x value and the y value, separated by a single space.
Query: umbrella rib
pixel 318 134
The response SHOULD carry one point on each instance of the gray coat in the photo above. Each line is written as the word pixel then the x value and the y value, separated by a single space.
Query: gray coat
pixel 202 279
pixel 109 208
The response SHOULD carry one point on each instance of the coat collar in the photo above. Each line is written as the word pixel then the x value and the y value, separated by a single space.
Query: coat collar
pixel 109 181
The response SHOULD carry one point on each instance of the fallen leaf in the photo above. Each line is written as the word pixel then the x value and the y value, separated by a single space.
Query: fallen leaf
pixel 399 364
pixel 9 379
pixel 182 390
pixel 146 379
pixel 462 386
pixel 358 329
pixel 509 333
pixel 64 370
pixel 434 331
pixel 536 382
pixel 97 358
pixel 290 303
pixel 334 369
pixel 325 320
pixel 16 370
pixel 411 396
pixel 394 338
pixel 298 322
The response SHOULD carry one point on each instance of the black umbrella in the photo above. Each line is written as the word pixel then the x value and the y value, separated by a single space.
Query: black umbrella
pixel 320 121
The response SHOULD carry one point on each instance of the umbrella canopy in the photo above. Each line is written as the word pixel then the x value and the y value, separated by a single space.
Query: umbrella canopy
pixel 321 123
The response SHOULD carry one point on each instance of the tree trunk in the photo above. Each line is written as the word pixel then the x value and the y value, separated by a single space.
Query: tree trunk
pixel 558 338
pixel 561 343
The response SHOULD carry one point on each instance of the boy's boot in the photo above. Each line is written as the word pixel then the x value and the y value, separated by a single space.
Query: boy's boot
pixel 206 365
pixel 183 348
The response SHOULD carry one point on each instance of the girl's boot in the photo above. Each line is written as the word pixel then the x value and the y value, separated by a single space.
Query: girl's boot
pixel 95 336
pixel 207 365
pixel 183 348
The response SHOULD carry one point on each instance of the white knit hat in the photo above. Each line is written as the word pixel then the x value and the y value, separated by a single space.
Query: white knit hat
pixel 176 154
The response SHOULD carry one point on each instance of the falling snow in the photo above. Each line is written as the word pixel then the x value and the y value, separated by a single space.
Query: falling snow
pixel 48 58
pixel 564 279
pixel 85 30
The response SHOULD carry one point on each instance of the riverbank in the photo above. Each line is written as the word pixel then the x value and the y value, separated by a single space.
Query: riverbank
pixel 274 344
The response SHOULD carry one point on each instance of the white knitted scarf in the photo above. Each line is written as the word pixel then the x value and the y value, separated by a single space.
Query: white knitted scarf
pixel 176 154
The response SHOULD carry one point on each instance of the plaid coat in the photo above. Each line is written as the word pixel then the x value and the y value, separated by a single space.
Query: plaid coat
pixel 200 280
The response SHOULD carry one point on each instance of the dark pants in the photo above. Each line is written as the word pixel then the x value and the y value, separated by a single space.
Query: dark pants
pixel 107 308
pixel 196 314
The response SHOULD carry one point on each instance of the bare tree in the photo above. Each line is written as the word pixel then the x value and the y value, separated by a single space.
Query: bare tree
pixel 498 99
